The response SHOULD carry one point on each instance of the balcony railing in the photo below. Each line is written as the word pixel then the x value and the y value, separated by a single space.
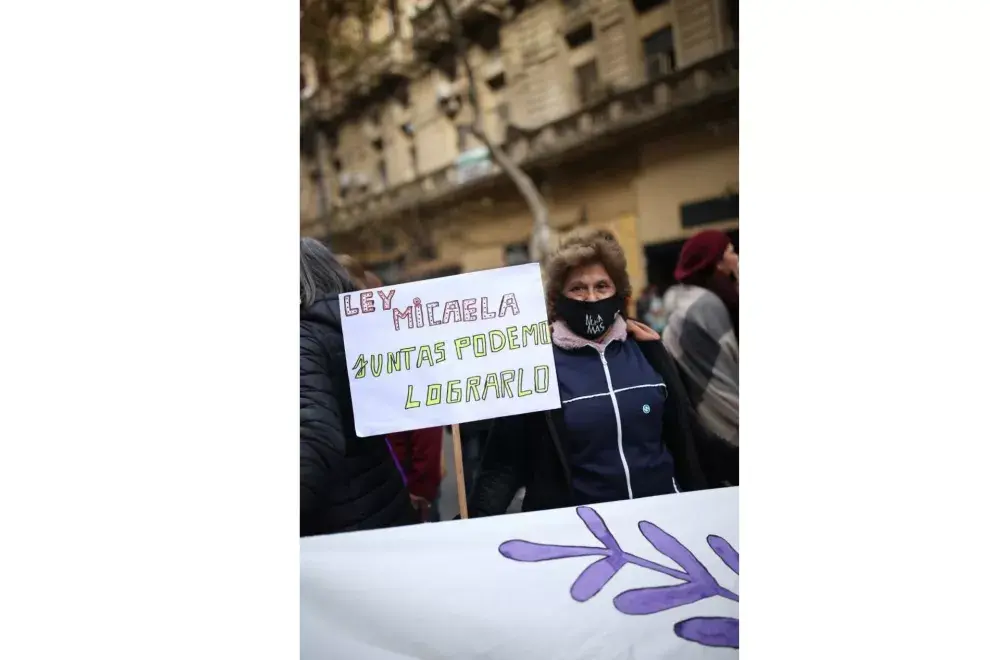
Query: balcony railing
pixel 430 24
pixel 393 56
pixel 623 113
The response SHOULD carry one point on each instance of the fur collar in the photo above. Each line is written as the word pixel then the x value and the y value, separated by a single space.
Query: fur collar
pixel 565 338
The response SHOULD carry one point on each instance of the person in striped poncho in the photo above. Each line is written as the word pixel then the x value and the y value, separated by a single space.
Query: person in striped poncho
pixel 702 335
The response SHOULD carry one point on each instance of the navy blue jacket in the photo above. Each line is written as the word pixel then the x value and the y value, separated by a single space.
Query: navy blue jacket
pixel 613 404
pixel 552 457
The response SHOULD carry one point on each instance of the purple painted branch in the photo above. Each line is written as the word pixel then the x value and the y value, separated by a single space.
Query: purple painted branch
pixel 696 582
pixel 659 568
pixel 593 578
pixel 596 575
pixel 646 563
pixel 726 593
pixel 725 551
pixel 520 550
pixel 650 600
pixel 598 528
pixel 528 551
pixel 715 631
pixel 670 547
pixel 699 582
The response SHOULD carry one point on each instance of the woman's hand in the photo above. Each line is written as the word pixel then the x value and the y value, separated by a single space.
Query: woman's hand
pixel 641 332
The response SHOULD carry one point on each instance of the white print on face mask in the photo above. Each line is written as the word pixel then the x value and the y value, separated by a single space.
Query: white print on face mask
pixel 594 325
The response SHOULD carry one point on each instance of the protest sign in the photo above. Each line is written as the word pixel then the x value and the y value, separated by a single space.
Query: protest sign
pixel 450 350
pixel 649 578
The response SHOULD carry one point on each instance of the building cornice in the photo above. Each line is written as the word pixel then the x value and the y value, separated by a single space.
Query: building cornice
pixel 705 91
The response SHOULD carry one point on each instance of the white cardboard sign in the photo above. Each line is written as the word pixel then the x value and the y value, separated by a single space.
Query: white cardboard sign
pixel 450 350
pixel 649 578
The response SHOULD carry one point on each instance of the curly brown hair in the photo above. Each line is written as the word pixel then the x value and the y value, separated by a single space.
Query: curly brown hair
pixel 581 248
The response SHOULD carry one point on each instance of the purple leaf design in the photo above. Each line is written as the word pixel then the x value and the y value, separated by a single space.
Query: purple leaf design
pixel 695 583
pixel 529 551
pixel 597 526
pixel 651 600
pixel 710 630
pixel 725 552
pixel 594 577
pixel 672 548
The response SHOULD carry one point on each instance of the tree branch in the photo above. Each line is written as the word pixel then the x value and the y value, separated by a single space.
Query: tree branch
pixel 539 247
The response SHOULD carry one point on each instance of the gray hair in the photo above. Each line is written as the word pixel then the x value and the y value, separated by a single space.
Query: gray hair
pixel 320 274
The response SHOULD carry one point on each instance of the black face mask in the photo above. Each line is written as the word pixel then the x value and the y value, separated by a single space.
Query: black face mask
pixel 588 319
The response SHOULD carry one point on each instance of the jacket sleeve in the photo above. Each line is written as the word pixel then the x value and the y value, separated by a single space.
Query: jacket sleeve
pixel 679 423
pixel 322 443
pixel 424 477
pixel 503 468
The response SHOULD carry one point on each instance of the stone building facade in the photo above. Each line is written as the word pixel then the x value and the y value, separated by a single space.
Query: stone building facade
pixel 624 112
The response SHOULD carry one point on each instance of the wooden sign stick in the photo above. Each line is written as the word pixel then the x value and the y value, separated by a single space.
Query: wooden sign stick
pixel 459 471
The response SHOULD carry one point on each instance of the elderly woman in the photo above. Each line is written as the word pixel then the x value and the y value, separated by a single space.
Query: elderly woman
pixel 625 428
pixel 346 483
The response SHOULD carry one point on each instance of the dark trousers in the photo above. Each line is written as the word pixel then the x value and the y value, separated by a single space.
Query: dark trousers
pixel 471 448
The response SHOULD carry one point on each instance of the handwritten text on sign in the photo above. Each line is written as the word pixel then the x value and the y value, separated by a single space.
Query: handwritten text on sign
pixel 449 350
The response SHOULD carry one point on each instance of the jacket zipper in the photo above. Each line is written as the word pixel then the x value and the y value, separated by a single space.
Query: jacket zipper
pixel 618 424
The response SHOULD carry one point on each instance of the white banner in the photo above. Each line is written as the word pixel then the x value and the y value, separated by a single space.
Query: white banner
pixel 648 578
pixel 450 350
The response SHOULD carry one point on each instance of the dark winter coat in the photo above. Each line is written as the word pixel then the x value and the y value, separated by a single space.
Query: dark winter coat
pixel 613 402
pixel 541 450
pixel 347 483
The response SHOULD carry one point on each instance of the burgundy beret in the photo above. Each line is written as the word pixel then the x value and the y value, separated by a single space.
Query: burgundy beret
pixel 700 252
